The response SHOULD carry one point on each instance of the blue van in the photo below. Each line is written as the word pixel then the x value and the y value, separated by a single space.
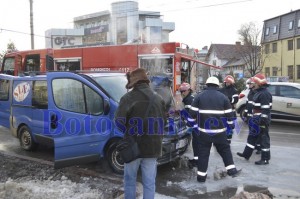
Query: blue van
pixel 73 113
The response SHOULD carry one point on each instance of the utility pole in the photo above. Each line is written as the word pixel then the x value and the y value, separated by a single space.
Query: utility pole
pixel 31 25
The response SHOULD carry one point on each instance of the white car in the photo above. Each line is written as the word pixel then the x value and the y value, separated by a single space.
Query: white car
pixel 286 101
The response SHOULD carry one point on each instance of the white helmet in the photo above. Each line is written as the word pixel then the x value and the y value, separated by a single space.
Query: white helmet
pixel 213 80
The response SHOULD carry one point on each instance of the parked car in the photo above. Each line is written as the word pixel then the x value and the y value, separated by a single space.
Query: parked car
pixel 73 113
pixel 286 101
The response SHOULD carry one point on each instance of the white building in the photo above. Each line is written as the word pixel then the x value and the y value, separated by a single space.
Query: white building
pixel 125 23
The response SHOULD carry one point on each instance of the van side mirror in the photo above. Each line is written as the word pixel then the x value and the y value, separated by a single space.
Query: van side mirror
pixel 106 107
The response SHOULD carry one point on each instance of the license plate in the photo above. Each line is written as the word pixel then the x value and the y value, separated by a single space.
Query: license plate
pixel 181 143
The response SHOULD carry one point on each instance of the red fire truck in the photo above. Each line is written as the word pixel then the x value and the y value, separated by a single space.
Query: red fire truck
pixel 173 59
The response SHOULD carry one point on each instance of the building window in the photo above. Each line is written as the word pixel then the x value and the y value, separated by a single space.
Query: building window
pixel 274 47
pixel 267 71
pixel 291 24
pixel 290 72
pixel 298 71
pixel 275 30
pixel 298 23
pixel 274 71
pixel 267 48
pixel 267 31
pixel 298 43
pixel 290 45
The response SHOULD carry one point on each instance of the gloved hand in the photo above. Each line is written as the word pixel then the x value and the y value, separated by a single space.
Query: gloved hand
pixel 263 121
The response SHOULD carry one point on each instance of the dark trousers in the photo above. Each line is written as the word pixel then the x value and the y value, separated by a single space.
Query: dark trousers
pixel 195 144
pixel 264 139
pixel 205 142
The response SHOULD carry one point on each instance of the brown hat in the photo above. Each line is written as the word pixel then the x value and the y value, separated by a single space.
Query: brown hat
pixel 135 76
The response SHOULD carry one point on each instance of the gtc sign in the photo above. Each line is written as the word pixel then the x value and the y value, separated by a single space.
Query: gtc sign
pixel 64 41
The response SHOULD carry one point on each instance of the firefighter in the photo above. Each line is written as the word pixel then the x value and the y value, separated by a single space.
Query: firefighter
pixel 187 99
pixel 231 92
pixel 248 110
pixel 262 104
pixel 212 113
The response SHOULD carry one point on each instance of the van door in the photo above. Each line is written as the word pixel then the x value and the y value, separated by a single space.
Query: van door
pixel 77 122
pixel 5 99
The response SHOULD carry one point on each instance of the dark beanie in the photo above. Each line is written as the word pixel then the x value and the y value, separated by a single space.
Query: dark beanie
pixel 135 76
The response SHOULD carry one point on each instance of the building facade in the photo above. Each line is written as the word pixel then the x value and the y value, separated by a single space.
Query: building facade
pixel 281 46
pixel 123 24
pixel 230 58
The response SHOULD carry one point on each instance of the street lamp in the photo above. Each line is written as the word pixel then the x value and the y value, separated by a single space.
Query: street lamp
pixel 31 25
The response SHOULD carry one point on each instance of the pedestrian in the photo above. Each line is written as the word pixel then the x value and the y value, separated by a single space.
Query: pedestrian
pixel 133 106
pixel 212 113
pixel 187 99
pixel 231 92
pixel 248 111
pixel 262 104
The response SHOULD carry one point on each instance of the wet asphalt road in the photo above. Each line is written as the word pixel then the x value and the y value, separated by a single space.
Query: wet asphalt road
pixel 281 177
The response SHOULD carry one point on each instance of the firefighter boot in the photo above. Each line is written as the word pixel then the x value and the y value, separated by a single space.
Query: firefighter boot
pixel 201 178
pixel 242 155
pixel 262 162
pixel 234 172
pixel 192 163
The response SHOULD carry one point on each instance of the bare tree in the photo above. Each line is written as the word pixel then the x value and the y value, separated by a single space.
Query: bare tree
pixel 250 50
pixel 10 48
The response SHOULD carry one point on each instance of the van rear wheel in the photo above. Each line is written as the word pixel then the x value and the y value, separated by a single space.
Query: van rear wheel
pixel 26 141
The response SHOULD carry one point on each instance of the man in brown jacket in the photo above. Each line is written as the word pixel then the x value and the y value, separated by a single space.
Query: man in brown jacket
pixel 141 114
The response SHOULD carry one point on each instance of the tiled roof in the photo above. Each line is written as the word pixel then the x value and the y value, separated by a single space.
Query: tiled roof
pixel 227 51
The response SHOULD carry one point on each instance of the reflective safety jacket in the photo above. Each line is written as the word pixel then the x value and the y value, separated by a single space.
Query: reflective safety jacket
pixel 211 112
pixel 231 93
pixel 187 101
pixel 249 103
pixel 262 105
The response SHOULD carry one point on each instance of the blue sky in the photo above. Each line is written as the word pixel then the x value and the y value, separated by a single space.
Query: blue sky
pixel 198 23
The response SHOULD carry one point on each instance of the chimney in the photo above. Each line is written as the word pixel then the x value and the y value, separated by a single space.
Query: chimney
pixel 238 43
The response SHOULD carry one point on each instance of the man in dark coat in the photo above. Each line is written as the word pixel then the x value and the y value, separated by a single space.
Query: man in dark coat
pixel 131 119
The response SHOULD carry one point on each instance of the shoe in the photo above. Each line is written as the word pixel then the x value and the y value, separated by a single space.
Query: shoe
pixel 262 162
pixel 192 163
pixel 201 179
pixel 242 155
pixel 258 152
pixel 234 172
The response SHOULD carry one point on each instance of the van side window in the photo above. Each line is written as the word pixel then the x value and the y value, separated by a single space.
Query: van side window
pixel 4 89
pixel 72 95
pixel 40 94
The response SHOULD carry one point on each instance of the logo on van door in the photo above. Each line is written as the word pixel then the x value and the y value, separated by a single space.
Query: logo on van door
pixel 21 91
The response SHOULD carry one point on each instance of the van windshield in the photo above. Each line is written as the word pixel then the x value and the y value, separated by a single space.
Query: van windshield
pixel 113 85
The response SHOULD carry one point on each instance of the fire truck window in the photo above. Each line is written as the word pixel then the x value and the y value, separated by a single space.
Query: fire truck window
pixel 32 63
pixel 157 65
pixel 40 94
pixel 4 85
pixel 9 66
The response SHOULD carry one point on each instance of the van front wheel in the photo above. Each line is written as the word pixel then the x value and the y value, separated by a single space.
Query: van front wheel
pixel 114 160
pixel 26 141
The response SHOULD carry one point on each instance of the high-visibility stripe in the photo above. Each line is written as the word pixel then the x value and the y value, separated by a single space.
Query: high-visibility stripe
pixel 264 115
pixel 257 104
pixel 195 126
pixel 250 115
pixel 257 113
pixel 191 119
pixel 201 173
pixel 187 106
pixel 232 166
pixel 265 106
pixel 250 146
pixel 250 102
pixel 229 122
pixel 211 112
pixel 212 130
pixel 228 111
pixel 265 150
pixel 194 108
pixel 195 157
